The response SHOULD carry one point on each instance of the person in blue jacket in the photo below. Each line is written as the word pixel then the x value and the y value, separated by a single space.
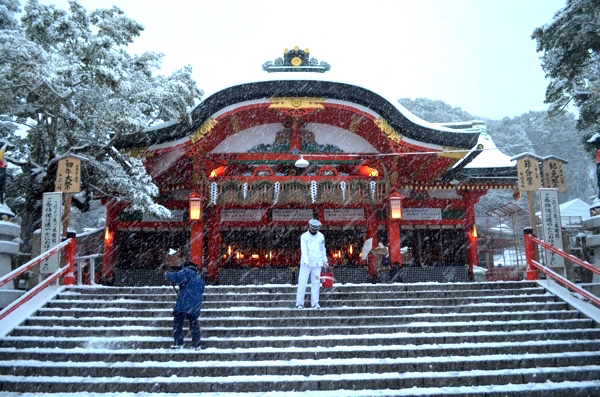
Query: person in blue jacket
pixel 189 301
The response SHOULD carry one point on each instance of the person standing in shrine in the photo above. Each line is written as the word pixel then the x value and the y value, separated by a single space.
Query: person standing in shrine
pixel 189 301
pixel 313 257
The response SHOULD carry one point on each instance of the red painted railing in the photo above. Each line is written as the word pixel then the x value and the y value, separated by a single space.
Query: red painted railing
pixel 68 271
pixel 533 266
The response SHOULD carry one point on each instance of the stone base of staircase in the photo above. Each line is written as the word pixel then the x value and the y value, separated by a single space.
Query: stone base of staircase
pixel 457 339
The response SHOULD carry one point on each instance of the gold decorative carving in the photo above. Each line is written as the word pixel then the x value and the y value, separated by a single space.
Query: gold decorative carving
pixel 452 153
pixel 138 152
pixel 205 129
pixel 235 123
pixel 355 123
pixel 296 106
pixel 388 130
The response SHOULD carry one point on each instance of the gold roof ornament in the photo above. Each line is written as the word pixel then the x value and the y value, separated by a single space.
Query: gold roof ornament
pixel 296 60
pixel 296 106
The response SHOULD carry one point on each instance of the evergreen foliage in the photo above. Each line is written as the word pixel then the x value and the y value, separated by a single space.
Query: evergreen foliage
pixel 570 47
pixel 69 86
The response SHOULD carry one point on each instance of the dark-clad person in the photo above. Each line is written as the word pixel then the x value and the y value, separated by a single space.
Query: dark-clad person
pixel 189 302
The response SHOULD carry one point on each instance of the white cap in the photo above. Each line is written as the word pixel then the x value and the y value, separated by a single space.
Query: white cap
pixel 172 251
pixel 314 224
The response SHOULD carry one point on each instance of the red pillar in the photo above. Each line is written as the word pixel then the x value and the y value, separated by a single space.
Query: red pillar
pixel 108 258
pixel 472 254
pixel 70 260
pixel 530 253
pixel 214 243
pixel 393 231
pixel 196 242
pixel 372 233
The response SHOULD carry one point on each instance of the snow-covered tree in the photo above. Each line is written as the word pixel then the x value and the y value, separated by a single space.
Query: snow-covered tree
pixel 570 47
pixel 435 111
pixel 69 86
pixel 544 135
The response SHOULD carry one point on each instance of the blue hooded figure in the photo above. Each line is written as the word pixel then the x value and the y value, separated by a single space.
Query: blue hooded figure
pixel 189 302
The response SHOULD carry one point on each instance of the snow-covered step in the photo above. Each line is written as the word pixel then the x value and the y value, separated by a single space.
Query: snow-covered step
pixel 76 329
pixel 440 351
pixel 288 303
pixel 65 318
pixel 213 368
pixel 367 294
pixel 301 381
pixel 337 288
pixel 284 312
pixel 136 341
pixel 496 339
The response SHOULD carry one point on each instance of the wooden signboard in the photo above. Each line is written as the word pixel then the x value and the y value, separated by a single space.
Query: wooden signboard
pixel 68 175
pixel 554 177
pixel 528 170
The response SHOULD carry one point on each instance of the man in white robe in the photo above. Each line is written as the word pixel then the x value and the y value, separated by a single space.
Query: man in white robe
pixel 313 257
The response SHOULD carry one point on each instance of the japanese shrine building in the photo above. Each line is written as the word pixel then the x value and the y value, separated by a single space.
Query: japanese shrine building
pixel 267 156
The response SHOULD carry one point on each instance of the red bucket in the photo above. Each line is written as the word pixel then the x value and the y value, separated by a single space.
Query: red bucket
pixel 327 279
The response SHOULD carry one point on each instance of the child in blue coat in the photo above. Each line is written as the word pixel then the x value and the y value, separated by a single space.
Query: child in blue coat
pixel 189 301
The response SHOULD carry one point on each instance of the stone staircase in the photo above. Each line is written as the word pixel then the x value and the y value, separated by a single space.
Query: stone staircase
pixel 463 339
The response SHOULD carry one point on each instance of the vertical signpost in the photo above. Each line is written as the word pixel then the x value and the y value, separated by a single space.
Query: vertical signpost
pixel 552 227
pixel 51 229
pixel 68 180
pixel 528 170
pixel 553 180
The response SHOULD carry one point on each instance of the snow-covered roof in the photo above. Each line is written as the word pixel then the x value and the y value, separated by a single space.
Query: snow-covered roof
pixel 573 208
pixel 491 156
pixel 379 106
pixel 325 77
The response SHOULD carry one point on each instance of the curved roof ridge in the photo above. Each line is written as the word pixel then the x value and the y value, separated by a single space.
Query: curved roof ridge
pixel 396 116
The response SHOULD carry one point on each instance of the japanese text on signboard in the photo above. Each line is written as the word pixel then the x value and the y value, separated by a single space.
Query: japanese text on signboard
pixel 51 229
pixel 528 170
pixel 551 225
pixel 554 176
pixel 68 175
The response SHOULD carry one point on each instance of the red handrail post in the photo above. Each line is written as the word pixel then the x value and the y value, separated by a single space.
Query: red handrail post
pixel 70 260
pixel 529 253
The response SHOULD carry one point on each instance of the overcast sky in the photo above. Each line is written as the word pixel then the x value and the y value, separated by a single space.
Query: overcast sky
pixel 474 54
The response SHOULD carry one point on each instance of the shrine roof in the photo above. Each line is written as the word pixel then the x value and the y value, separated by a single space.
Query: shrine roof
pixel 309 85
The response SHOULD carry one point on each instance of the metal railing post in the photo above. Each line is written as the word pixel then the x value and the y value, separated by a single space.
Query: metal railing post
pixel 529 253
